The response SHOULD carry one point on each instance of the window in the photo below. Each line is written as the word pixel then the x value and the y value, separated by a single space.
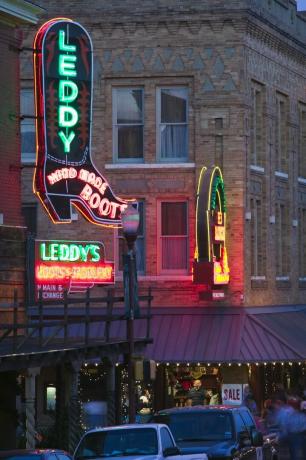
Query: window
pixel 139 244
pixel 128 124
pixel 29 213
pixel 166 440
pixel 172 109
pixel 302 141
pixel 281 133
pixel 173 236
pixel 302 243
pixel 257 243
pixel 28 151
pixel 282 240
pixel 50 398
pixel 257 125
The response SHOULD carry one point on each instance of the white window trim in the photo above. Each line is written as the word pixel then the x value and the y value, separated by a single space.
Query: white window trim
pixel 158 124
pixel 282 278
pixel 115 126
pixel 28 158
pixel 150 166
pixel 301 180
pixel 281 174
pixel 163 272
pixel 258 169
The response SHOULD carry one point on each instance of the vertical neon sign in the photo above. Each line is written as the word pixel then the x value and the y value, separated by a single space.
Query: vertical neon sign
pixel 64 171
pixel 211 263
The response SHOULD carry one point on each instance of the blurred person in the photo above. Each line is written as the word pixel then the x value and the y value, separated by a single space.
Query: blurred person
pixel 214 399
pixel 196 395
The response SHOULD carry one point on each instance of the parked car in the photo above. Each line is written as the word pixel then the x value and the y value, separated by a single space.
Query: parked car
pixel 146 441
pixel 223 432
pixel 34 454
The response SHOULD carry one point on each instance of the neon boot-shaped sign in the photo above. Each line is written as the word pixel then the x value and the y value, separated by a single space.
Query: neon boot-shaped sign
pixel 64 172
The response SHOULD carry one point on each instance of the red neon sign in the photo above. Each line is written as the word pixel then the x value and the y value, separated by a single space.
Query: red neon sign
pixel 65 173
pixel 71 266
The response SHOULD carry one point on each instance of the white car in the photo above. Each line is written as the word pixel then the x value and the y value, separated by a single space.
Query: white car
pixel 152 441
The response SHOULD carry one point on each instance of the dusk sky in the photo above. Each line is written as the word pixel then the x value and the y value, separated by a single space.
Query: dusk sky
pixel 301 4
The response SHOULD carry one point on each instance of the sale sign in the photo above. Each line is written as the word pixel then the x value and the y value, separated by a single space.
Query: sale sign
pixel 232 394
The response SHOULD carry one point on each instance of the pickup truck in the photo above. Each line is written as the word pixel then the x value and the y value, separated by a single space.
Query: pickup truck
pixel 223 432
pixel 131 442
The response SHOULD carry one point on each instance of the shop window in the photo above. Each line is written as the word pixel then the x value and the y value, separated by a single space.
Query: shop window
pixel 282 241
pixel 302 141
pixel 128 124
pixel 257 125
pixel 27 113
pixel 257 239
pixel 139 243
pixel 50 398
pixel 302 243
pixel 29 212
pixel 172 122
pixel 282 134
pixel 173 239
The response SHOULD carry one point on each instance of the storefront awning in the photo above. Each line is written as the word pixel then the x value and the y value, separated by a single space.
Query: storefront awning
pixel 228 334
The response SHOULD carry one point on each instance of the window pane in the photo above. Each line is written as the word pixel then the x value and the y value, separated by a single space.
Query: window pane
pixel 173 141
pixel 174 218
pixel 129 106
pixel 174 105
pixel 28 139
pixel 174 251
pixel 130 141
pixel 139 249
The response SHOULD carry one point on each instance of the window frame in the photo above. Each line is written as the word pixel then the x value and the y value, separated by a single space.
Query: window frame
pixel 163 271
pixel 27 120
pixel 115 124
pixel 159 124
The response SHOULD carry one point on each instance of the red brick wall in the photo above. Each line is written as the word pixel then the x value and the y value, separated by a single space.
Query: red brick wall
pixel 10 192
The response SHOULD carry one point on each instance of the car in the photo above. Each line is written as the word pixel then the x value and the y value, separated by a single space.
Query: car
pixel 136 442
pixel 224 432
pixel 34 454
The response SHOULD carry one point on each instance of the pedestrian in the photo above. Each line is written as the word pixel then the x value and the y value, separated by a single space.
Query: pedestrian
pixel 214 399
pixel 196 395
pixel 249 401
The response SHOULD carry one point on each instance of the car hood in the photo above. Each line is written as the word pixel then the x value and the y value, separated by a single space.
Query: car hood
pixel 123 457
pixel 207 447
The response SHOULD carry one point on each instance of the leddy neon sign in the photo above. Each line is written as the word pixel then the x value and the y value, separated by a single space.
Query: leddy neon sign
pixel 211 263
pixel 64 172
pixel 71 266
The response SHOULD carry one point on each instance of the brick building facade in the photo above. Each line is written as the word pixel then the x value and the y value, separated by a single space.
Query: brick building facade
pixel 237 75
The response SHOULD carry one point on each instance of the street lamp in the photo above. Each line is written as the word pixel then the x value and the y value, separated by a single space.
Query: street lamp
pixel 130 224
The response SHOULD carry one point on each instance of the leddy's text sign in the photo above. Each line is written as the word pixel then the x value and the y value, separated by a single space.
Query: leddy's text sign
pixel 73 266
pixel 232 393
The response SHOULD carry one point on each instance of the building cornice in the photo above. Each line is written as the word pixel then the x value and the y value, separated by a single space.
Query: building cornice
pixel 19 12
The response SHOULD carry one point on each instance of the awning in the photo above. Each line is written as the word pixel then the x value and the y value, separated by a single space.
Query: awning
pixel 228 334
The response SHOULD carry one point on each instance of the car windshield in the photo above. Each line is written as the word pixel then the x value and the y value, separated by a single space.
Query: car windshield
pixel 198 426
pixel 118 443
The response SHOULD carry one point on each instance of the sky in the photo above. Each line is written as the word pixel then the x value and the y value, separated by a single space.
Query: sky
pixel 301 4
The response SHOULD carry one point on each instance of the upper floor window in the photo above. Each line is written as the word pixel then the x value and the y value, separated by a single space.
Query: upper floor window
pixel 257 125
pixel 27 112
pixel 173 247
pixel 282 135
pixel 302 242
pixel 172 124
pixel 128 124
pixel 257 239
pixel 139 243
pixel 302 141
pixel 282 240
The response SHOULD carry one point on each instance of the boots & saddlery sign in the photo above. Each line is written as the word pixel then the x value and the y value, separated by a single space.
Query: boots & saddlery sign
pixel 64 171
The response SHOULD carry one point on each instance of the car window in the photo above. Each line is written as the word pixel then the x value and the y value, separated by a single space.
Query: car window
pixel 250 424
pixel 239 423
pixel 198 426
pixel 166 440
pixel 122 442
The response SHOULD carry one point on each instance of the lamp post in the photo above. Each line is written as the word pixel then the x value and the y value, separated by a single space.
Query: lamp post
pixel 130 224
